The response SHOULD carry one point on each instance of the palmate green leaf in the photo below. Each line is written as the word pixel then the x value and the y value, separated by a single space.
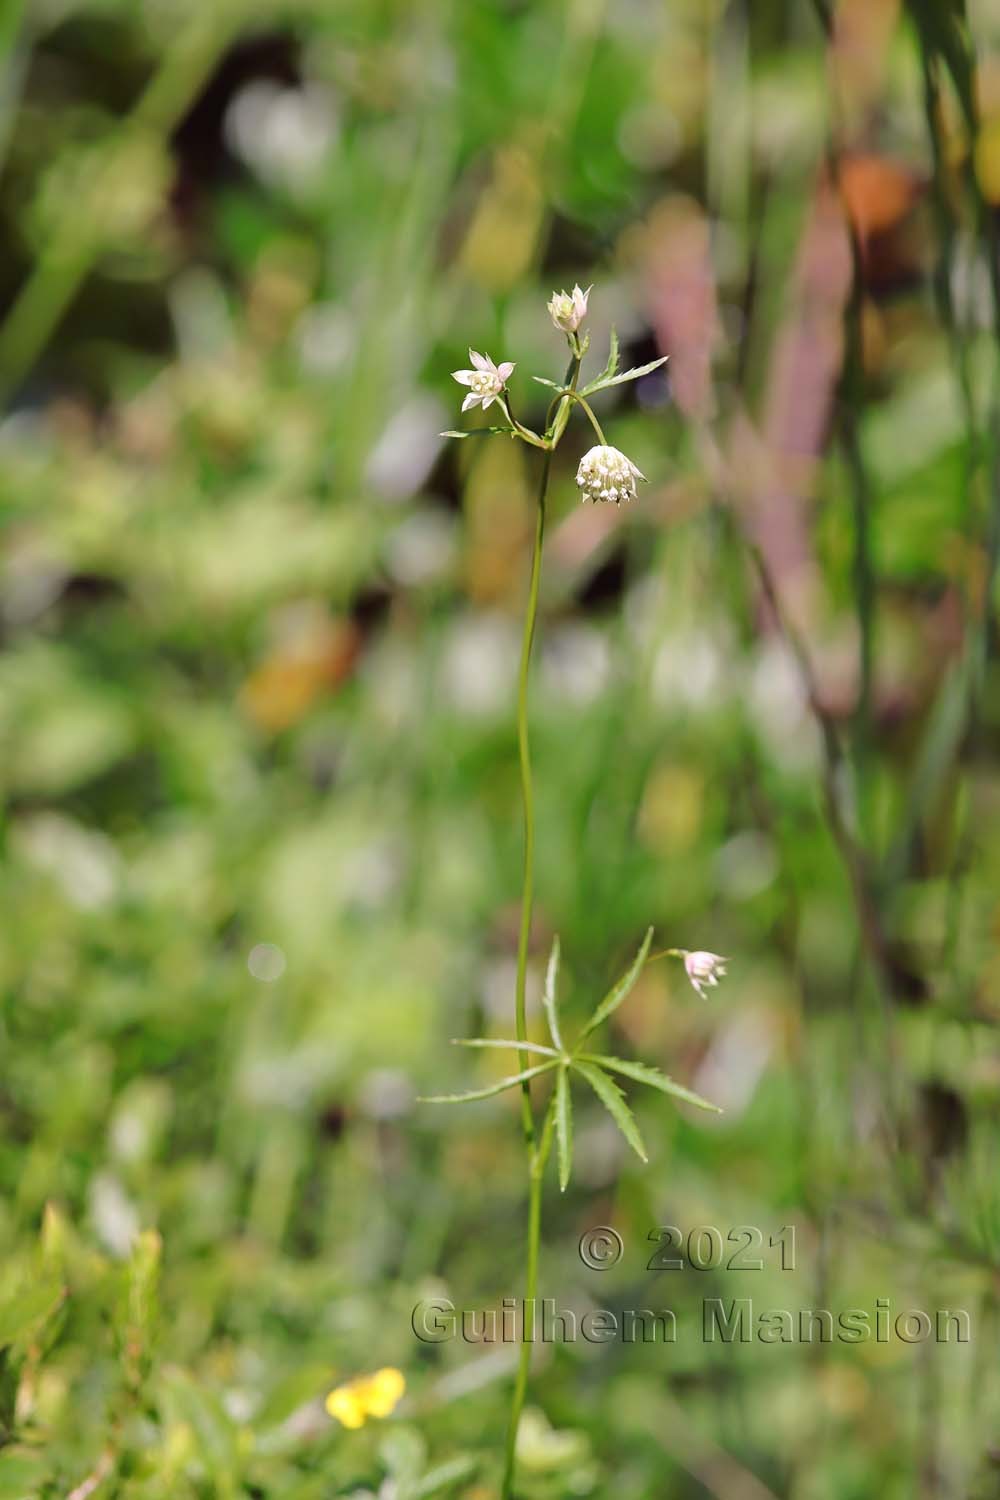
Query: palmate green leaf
pixel 510 1043
pixel 549 1000
pixel 487 1093
pixel 613 1100
pixel 564 1127
pixel 642 1073
pixel 604 382
pixel 618 991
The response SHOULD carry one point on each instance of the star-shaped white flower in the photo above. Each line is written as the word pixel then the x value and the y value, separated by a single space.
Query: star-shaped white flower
pixel 568 309
pixel 704 969
pixel 486 380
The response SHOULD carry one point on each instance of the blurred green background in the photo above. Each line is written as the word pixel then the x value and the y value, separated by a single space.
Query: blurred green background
pixel 262 838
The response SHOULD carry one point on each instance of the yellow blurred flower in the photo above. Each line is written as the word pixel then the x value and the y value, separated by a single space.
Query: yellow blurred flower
pixel 369 1396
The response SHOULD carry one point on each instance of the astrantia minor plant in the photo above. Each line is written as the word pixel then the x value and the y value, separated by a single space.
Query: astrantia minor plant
pixel 604 474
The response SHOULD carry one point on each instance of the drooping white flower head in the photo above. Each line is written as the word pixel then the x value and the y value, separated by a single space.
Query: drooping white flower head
pixel 568 309
pixel 486 379
pixel 606 474
pixel 704 969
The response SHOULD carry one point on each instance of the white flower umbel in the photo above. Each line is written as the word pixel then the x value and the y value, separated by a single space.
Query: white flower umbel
pixel 606 474
pixel 568 309
pixel 486 380
pixel 704 969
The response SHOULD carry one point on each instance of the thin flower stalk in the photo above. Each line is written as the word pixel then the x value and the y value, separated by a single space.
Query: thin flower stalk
pixel 607 474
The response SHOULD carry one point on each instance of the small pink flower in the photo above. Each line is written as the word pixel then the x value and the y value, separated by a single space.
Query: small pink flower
pixel 486 380
pixel 704 969
pixel 568 309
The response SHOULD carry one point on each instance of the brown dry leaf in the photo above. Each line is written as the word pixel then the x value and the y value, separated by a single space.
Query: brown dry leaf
pixel 877 192
pixel 314 653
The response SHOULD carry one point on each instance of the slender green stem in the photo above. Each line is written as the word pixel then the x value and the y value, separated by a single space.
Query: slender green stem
pixel 78 237
pixel 537 1152
pixel 528 798
pixel 527 1118
pixel 582 401
pixel 506 406
pixel 524 755
pixel 538 1161
pixel 560 403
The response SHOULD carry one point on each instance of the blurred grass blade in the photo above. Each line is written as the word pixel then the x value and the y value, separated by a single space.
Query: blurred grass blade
pixel 549 994
pixel 452 1471
pixel 618 991
pixel 564 1127
pixel 22 1315
pixel 935 757
pixel 495 1088
pixel 653 1077
pixel 215 1434
pixel 613 1100
pixel 138 1313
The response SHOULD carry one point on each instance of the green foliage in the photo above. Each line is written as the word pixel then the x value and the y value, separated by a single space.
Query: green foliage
pixel 564 1126
pixel 593 1068
pixel 621 989
pixel 609 375
pixel 643 1073
pixel 613 1100
pixel 495 1088
pixel 550 994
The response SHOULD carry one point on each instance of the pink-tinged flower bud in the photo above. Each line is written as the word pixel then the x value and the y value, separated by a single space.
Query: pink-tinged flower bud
pixel 704 969
pixel 606 474
pixel 486 380
pixel 568 309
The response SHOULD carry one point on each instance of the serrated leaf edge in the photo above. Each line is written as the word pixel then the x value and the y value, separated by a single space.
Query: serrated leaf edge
pixel 606 1089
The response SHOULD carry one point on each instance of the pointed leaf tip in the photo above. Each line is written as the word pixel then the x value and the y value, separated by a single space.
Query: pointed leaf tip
pixel 564 1127
pixel 604 381
pixel 642 1073
pixel 621 988
pixel 613 1100
pixel 610 369
pixel 549 997
pixel 487 1093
